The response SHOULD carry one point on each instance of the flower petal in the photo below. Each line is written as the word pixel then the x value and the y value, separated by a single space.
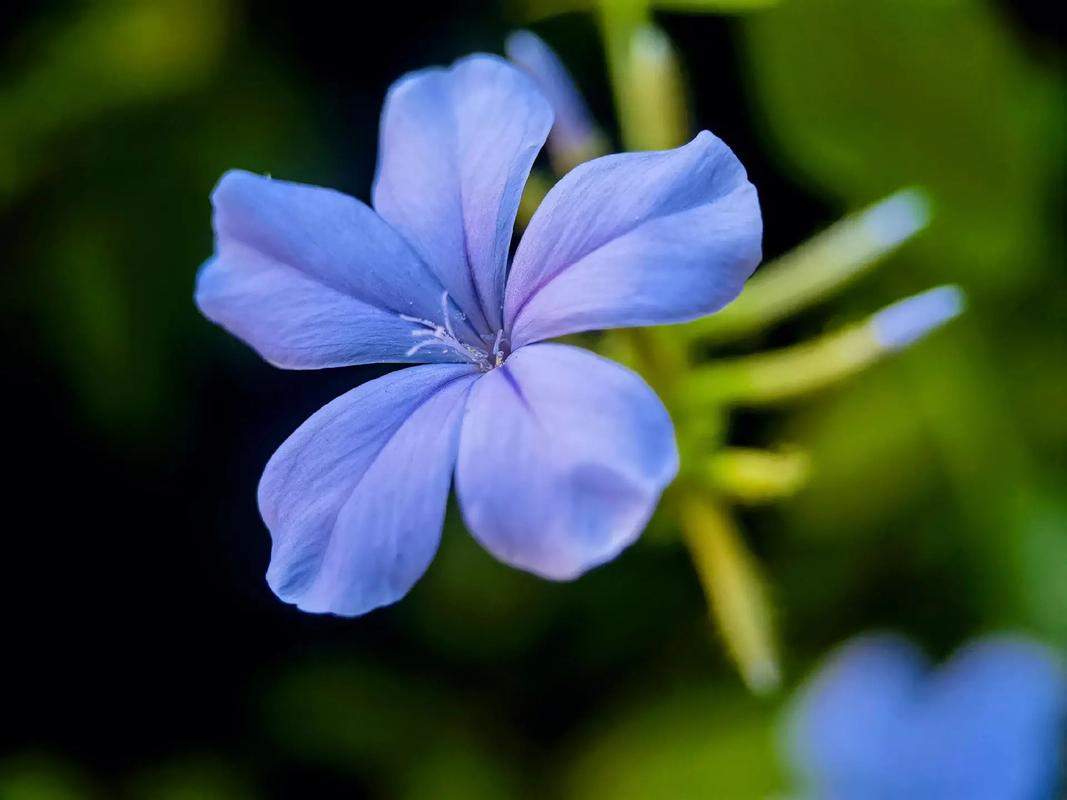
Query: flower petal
pixel 876 723
pixel 636 239
pixel 355 498
pixel 990 723
pixel 845 729
pixel 574 137
pixel 456 148
pixel 312 278
pixel 562 458
pixel 294 322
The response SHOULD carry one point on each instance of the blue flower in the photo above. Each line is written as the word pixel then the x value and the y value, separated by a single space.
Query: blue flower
pixel 877 723
pixel 574 137
pixel 559 456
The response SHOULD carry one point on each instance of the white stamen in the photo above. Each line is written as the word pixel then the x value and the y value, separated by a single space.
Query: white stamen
pixel 419 320
pixel 417 347
pixel 445 314
pixel 431 333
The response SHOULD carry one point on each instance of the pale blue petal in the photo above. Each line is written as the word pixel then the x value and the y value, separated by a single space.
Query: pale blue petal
pixel 990 724
pixel 574 135
pixel 636 239
pixel 844 730
pixel 355 498
pixel 313 278
pixel 562 459
pixel 294 322
pixel 456 147
pixel 876 723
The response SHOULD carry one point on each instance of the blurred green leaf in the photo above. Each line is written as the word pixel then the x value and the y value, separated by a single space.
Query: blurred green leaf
pixel 386 728
pixel 33 777
pixel 714 6
pixel 539 9
pixel 1043 556
pixel 127 223
pixel 474 608
pixel 112 54
pixel 868 456
pixel 190 778
pixel 696 741
pixel 458 773
pixel 865 97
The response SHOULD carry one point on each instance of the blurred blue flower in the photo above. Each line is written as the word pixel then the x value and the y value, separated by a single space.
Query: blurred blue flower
pixel 559 456
pixel 877 723
pixel 574 137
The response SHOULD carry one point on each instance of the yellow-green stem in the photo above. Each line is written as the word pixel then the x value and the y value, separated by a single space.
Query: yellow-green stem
pixel 734 588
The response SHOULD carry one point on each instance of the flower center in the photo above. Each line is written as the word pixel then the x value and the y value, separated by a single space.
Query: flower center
pixel 490 355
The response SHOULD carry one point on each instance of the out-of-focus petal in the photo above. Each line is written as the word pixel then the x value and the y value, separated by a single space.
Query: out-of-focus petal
pixel 843 732
pixel 355 498
pixel 562 458
pixel 636 239
pixel 574 137
pixel 455 150
pixel 991 724
pixel 875 723
pixel 311 277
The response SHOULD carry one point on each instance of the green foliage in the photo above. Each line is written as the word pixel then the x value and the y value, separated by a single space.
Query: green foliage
pixel 862 98
pixel 859 98
pixel 40 778
pixel 697 740
pixel 411 740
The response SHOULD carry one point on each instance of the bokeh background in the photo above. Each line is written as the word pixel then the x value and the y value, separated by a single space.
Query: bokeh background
pixel 143 655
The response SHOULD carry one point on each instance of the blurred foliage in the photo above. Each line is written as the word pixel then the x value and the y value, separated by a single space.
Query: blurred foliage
pixel 937 94
pixel 697 740
pixel 115 54
pixel 189 778
pixel 113 300
pixel 39 778
pixel 942 95
pixel 377 727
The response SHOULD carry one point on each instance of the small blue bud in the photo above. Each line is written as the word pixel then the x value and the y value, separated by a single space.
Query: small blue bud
pixel 898 217
pixel 906 321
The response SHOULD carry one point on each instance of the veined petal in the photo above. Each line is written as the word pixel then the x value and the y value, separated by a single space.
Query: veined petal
pixel 636 239
pixel 313 278
pixel 456 147
pixel 295 322
pixel 355 498
pixel 328 236
pixel 562 459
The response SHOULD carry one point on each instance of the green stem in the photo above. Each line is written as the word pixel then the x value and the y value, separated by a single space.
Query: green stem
pixel 781 375
pixel 734 588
